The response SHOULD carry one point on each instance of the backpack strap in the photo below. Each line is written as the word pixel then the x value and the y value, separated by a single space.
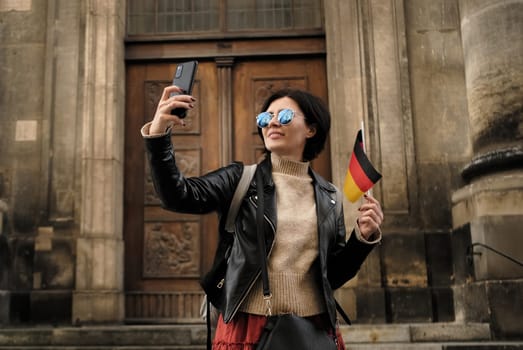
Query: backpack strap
pixel 239 193
pixel 241 189
pixel 342 313
pixel 339 201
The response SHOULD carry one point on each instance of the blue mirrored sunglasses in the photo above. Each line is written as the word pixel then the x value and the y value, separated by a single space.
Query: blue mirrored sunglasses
pixel 285 116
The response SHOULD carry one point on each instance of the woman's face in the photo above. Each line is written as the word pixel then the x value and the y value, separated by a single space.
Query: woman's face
pixel 287 141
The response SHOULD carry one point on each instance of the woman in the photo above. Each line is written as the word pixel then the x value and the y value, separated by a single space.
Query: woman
pixel 309 256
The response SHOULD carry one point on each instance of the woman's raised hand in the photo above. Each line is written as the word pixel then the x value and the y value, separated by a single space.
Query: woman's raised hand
pixel 163 119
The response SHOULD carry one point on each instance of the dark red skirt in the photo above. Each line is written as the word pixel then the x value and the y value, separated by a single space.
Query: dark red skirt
pixel 243 332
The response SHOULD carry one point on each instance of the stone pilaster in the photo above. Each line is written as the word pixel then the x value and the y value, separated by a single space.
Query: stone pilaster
pixel 488 210
pixel 98 295
pixel 368 82
pixel 366 59
pixel 345 81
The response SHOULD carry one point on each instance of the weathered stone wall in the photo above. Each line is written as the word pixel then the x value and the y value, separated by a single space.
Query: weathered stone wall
pixel 399 67
pixel 40 276
pixel 59 82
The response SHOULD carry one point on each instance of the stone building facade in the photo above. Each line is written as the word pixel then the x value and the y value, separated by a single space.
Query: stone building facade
pixel 437 84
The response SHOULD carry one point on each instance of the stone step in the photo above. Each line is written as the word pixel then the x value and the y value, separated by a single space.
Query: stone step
pixel 427 336
pixel 384 346
pixel 414 333
pixel 141 347
pixel 490 345
pixel 115 336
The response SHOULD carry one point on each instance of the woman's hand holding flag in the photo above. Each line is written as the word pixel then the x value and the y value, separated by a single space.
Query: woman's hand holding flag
pixel 360 178
pixel 370 218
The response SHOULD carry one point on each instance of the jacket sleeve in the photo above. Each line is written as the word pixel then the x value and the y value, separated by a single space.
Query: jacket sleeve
pixel 346 258
pixel 195 195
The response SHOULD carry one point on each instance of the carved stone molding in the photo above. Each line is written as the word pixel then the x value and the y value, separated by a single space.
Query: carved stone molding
pixel 173 307
pixel 224 65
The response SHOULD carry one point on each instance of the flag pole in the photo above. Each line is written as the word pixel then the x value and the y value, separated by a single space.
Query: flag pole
pixel 369 192
pixel 363 137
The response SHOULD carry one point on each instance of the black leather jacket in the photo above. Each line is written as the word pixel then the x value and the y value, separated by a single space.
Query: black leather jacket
pixel 339 260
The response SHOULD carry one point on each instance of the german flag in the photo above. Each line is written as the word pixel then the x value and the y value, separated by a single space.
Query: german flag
pixel 361 175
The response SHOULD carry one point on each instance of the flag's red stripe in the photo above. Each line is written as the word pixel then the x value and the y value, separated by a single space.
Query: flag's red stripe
pixel 363 161
pixel 359 175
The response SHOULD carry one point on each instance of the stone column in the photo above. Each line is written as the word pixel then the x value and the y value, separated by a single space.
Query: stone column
pixel 489 209
pixel 98 296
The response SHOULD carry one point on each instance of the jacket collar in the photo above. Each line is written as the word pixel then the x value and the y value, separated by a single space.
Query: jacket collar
pixel 266 169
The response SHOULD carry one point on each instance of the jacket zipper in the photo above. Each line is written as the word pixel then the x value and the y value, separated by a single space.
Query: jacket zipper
pixel 259 272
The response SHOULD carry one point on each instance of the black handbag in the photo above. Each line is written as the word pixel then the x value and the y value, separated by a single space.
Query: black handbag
pixel 287 331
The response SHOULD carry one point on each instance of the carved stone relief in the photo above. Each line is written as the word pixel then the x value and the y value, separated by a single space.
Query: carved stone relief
pixel 171 250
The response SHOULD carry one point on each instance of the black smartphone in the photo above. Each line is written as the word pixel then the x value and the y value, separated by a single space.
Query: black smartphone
pixel 184 79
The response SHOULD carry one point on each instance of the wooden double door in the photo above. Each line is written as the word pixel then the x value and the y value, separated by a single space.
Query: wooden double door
pixel 166 253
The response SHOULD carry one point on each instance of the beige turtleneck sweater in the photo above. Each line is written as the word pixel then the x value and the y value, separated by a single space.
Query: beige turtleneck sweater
pixel 293 279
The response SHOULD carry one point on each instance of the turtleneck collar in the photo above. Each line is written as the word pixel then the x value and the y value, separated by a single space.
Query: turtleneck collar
pixel 289 167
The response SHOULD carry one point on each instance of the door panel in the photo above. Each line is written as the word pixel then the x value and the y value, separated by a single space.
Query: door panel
pixel 166 252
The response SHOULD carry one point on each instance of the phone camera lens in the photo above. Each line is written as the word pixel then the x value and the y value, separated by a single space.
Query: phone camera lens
pixel 178 71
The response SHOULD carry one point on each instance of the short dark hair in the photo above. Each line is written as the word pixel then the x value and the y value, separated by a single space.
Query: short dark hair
pixel 316 113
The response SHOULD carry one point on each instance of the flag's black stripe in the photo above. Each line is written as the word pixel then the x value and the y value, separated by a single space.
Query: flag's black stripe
pixel 365 163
